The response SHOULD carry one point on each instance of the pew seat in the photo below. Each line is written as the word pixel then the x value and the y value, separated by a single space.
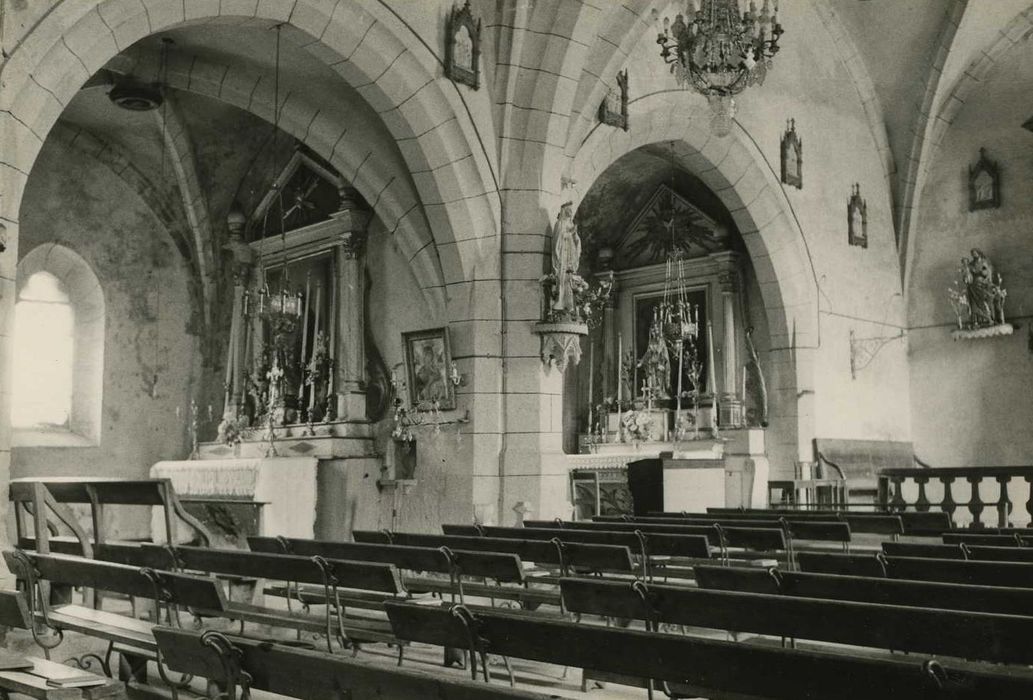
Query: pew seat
pixel 41 682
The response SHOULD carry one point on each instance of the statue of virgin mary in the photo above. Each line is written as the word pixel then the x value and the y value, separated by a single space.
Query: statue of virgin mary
pixel 566 258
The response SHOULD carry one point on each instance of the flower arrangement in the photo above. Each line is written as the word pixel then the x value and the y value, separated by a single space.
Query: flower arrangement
pixel 589 299
pixel 638 426
pixel 232 429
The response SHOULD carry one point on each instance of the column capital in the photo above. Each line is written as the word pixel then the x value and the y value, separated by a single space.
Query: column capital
pixel 352 244
pixel 728 281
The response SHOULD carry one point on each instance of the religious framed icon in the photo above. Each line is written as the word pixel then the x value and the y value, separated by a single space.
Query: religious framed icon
pixel 613 110
pixel 428 362
pixel 984 184
pixel 463 46
pixel 857 218
pixel 792 156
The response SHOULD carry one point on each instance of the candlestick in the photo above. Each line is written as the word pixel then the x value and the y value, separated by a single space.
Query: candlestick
pixel 677 406
pixel 710 369
pixel 304 335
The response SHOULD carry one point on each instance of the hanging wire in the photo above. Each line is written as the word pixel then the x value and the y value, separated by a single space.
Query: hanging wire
pixel 163 81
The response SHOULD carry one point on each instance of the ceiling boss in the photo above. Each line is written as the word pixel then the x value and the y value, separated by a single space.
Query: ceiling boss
pixel 719 49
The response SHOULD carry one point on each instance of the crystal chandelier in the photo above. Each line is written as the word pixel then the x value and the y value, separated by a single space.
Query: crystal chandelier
pixel 720 49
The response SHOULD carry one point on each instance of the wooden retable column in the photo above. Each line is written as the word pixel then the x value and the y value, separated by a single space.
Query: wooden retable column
pixel 349 336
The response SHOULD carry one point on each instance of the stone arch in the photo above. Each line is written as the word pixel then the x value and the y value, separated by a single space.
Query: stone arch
pixel 87 300
pixel 734 169
pixel 344 138
pixel 356 39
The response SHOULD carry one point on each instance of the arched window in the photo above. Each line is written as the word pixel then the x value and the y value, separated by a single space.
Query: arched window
pixel 44 340
pixel 58 350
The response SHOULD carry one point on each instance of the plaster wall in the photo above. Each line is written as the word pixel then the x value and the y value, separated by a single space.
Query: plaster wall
pixel 970 399
pixel 72 200
pixel 443 493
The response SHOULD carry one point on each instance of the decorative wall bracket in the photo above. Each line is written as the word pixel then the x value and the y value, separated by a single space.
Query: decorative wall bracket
pixel 864 350
pixel 561 342
pixel 985 332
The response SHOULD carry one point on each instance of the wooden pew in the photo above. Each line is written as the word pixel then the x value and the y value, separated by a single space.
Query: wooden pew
pixel 39 496
pixel 35 681
pixel 707 667
pixel 232 662
pixel 567 558
pixel 645 545
pixel 797 531
pixel 131 637
pixel 963 634
pixel 983 573
pixel 456 564
pixel 341 581
pixel 733 542
pixel 959 551
pixel 915 523
pixel 949 596
pixel 1011 539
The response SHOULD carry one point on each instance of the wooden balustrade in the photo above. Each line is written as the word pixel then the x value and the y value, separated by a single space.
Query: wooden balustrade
pixel 891 493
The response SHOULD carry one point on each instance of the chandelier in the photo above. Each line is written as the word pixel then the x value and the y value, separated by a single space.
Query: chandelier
pixel 719 49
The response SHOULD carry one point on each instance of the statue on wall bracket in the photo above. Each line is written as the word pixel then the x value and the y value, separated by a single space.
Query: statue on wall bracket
pixel 613 110
pixel 563 324
pixel 978 299
pixel 463 46
pixel 792 156
pixel 857 218
pixel 984 184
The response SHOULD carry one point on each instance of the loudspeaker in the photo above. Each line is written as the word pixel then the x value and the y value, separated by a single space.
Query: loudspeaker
pixel 646 483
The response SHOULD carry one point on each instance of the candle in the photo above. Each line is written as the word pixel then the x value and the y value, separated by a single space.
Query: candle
pixel 591 377
pixel 677 406
pixel 304 334
pixel 620 370
pixel 315 335
pixel 710 366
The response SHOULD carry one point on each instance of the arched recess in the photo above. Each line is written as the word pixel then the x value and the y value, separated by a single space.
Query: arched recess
pixel 393 71
pixel 737 173
pixel 88 309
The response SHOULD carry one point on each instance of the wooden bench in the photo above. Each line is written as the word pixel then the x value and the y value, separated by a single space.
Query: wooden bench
pixel 232 663
pixel 1010 539
pixel 983 573
pixel 914 522
pixel 949 596
pixel 338 579
pixel 456 564
pixel 959 551
pixel 732 542
pixel 130 637
pixel 39 497
pixel 645 545
pixel 705 667
pixel 38 680
pixel 958 633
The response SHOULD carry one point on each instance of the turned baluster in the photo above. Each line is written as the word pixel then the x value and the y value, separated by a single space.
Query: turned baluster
pixel 975 504
pixel 922 503
pixel 947 505
pixel 1003 502
pixel 898 504
pixel 1029 501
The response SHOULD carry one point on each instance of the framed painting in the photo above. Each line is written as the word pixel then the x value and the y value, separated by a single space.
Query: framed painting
pixel 857 218
pixel 984 184
pixel 463 46
pixel 613 110
pixel 792 157
pixel 428 361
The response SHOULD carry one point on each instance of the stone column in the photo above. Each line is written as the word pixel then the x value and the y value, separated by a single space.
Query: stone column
pixel 349 335
pixel 729 288
pixel 242 260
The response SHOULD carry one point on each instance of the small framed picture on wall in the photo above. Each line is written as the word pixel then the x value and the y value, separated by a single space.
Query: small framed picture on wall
pixel 984 184
pixel 428 362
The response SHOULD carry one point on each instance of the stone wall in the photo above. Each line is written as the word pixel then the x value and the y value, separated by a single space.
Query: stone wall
pixel 73 200
pixel 971 402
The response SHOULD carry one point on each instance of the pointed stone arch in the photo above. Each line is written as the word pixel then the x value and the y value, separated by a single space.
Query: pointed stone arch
pixel 737 173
